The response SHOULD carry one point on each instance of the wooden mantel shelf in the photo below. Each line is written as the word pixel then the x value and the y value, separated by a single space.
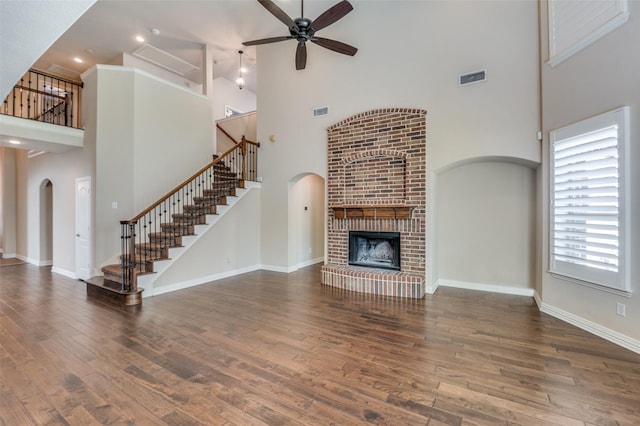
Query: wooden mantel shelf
pixel 372 212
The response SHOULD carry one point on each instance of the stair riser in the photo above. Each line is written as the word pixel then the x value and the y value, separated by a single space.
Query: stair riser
pixel 153 252
pixel 166 241
pixel 189 220
pixel 113 277
pixel 200 209
pixel 209 203
pixel 177 229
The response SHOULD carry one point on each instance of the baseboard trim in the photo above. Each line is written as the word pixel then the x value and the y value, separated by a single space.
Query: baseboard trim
pixel 584 324
pixel 64 272
pixel 517 291
pixel 198 281
pixel 29 260
pixel 283 269
pixel 309 263
pixel 9 256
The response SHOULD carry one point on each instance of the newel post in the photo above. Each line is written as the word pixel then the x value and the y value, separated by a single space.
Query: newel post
pixel 243 152
pixel 128 259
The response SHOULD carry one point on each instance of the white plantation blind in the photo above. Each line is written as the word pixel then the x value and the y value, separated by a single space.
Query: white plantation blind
pixel 575 24
pixel 588 199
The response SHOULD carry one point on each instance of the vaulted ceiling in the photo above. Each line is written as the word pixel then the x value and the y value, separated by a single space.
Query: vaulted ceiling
pixel 110 27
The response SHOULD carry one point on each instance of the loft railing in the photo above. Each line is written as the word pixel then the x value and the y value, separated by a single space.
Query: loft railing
pixel 145 237
pixel 44 97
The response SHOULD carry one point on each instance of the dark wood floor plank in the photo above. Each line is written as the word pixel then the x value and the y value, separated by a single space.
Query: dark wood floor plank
pixel 267 348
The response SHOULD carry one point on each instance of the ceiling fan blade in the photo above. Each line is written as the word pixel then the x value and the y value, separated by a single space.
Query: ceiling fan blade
pixel 336 46
pixel 266 40
pixel 278 13
pixel 301 55
pixel 331 15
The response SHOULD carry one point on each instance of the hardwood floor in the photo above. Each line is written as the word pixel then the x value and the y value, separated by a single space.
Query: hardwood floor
pixel 281 349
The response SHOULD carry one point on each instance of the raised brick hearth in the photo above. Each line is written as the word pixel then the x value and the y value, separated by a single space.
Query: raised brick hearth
pixel 377 182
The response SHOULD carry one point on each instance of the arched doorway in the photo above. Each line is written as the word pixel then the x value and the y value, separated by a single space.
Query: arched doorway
pixel 46 223
pixel 306 220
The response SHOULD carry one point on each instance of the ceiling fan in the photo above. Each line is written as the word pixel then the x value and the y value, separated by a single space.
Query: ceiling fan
pixel 304 29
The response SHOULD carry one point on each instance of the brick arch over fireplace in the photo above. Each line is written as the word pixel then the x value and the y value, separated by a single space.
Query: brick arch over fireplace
pixel 388 186
pixel 376 181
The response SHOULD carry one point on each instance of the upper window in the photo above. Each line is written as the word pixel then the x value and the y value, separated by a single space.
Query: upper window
pixel 588 196
pixel 575 24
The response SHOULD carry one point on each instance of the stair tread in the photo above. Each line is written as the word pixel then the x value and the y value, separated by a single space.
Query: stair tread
pixel 225 184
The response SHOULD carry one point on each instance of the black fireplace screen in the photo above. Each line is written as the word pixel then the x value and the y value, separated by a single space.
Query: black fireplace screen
pixel 374 249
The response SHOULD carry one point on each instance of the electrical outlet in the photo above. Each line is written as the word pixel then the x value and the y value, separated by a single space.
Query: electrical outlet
pixel 621 309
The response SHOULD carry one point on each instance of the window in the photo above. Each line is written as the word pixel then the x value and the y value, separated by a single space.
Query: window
pixel 575 24
pixel 588 200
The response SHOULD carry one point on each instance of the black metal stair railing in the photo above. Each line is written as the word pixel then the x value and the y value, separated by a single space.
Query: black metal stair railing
pixel 147 237
pixel 44 97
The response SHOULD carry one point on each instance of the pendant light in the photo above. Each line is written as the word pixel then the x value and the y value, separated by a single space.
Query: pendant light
pixel 240 79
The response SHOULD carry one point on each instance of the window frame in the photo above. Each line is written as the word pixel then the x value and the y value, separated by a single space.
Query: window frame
pixel 567 37
pixel 617 282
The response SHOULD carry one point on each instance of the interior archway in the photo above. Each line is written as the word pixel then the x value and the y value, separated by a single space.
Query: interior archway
pixel 46 222
pixel 306 220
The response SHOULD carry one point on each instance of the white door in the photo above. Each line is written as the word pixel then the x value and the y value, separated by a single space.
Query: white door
pixel 83 228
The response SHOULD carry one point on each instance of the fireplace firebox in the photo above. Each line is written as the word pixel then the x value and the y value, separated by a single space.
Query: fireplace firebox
pixel 374 249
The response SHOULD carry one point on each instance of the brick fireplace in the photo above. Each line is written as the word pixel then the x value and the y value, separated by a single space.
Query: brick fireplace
pixel 376 182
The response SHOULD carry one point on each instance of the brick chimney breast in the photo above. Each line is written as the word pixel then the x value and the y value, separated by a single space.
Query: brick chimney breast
pixel 376 181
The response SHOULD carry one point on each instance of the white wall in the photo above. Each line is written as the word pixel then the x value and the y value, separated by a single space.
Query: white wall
pixel 150 135
pixel 500 252
pixel 237 126
pixel 229 247
pixel 62 170
pixel 412 60
pixel 8 201
pixel 600 78
pixel 226 92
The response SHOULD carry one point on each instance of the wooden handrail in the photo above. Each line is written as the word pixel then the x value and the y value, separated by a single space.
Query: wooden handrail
pixel 177 188
pixel 219 127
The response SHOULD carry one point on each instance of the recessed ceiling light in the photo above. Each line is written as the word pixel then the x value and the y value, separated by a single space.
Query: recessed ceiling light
pixel 14 142
pixel 89 51
pixel 155 31
pixel 78 60
pixel 140 39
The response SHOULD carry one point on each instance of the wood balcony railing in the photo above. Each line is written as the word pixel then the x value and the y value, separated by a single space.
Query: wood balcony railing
pixel 44 97
pixel 146 237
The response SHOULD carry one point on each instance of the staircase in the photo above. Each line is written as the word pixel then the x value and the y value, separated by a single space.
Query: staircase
pixel 171 223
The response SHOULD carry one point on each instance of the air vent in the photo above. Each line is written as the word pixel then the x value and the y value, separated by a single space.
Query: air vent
pixel 473 77
pixel 63 72
pixel 164 59
pixel 320 111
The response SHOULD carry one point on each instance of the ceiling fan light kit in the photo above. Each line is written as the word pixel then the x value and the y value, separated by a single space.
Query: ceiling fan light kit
pixel 303 30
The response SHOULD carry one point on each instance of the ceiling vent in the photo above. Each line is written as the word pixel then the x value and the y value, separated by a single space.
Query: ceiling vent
pixel 320 111
pixel 63 72
pixel 473 77
pixel 164 59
